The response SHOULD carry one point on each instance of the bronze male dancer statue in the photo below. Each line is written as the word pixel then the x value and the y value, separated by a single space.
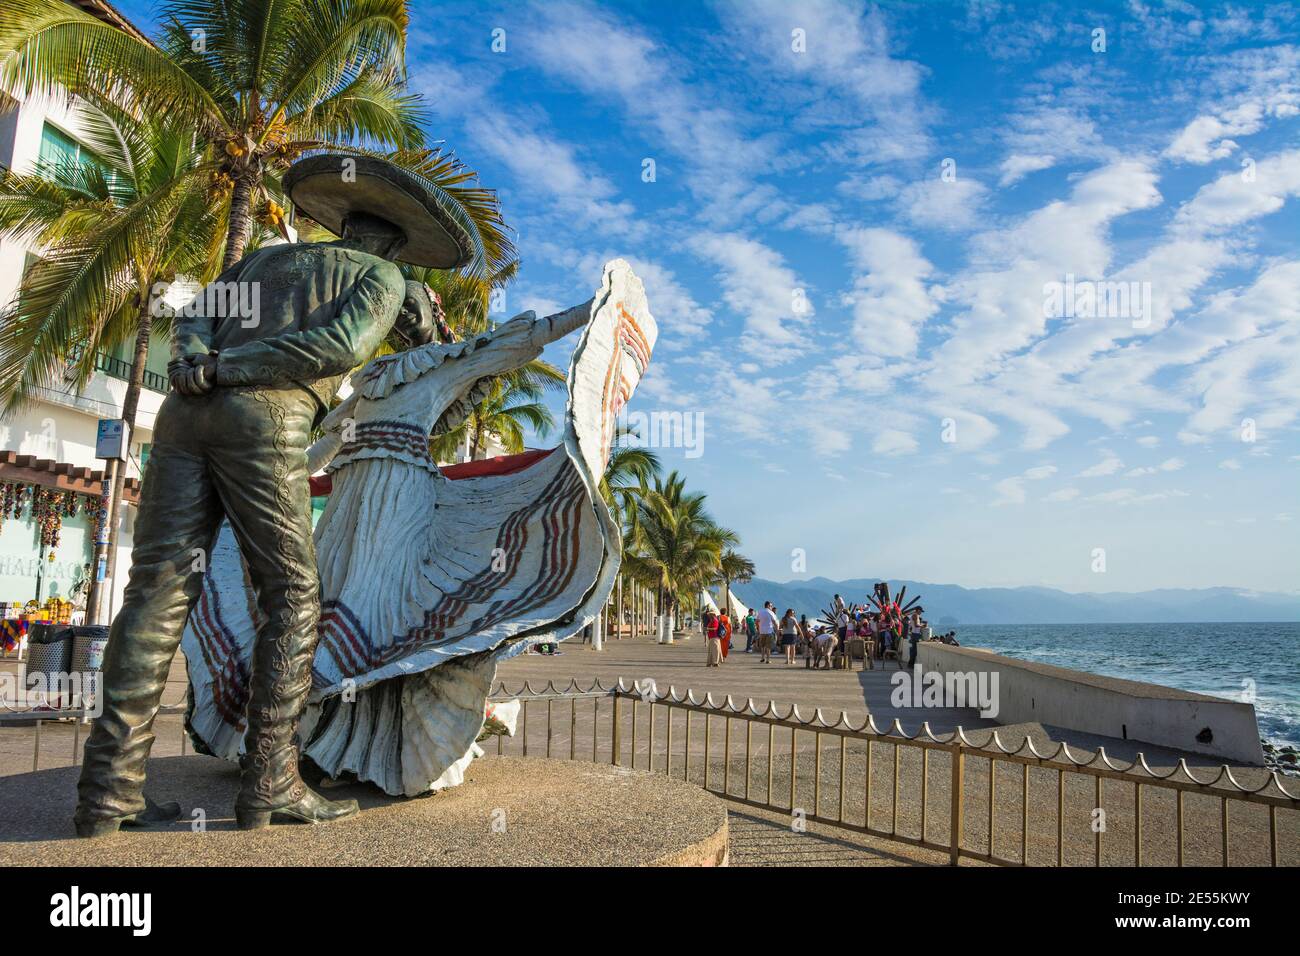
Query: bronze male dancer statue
pixel 231 441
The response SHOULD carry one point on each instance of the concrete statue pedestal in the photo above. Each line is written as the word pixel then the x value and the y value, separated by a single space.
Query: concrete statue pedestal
pixel 510 811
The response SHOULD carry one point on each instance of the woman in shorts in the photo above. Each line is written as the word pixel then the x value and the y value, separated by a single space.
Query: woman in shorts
pixel 789 635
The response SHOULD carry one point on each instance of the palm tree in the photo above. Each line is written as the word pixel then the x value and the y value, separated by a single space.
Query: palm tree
pixel 733 567
pixel 260 81
pixel 515 398
pixel 512 403
pixel 113 234
pixel 626 475
pixel 676 541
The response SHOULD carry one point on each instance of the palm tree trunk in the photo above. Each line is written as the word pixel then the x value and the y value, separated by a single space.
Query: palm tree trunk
pixel 618 611
pixel 476 440
pixel 240 225
pixel 130 405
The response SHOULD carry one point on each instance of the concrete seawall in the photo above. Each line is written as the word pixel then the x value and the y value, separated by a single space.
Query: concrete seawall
pixel 1077 700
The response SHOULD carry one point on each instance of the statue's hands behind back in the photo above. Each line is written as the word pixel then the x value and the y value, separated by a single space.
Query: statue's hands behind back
pixel 193 374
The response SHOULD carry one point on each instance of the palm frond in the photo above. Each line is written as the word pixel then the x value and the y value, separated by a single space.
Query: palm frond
pixel 53 48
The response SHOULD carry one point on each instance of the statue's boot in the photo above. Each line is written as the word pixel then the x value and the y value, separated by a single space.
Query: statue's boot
pixel 312 808
pixel 153 814
pixel 271 788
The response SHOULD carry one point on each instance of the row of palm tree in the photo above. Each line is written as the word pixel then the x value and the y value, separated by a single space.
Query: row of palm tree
pixel 672 546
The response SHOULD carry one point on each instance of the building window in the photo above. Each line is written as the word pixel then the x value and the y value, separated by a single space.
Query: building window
pixel 59 151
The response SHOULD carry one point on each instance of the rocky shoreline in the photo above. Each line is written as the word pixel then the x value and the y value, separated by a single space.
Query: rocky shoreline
pixel 1284 759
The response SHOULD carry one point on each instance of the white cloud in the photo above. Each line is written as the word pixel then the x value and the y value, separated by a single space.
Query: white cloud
pixel 846 80
pixel 1063 494
pixel 1235 197
pixel 1108 465
pixel 1010 491
pixel 936 204
pixel 1019 165
pixel 1206 138
pixel 893 442
pixel 1169 464
pixel 890 299
pixel 552 167
pixel 763 291
pixel 610 59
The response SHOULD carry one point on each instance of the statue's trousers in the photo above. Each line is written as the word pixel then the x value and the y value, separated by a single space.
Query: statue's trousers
pixel 238 453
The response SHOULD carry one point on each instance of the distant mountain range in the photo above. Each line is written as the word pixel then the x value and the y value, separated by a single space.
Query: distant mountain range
pixel 950 605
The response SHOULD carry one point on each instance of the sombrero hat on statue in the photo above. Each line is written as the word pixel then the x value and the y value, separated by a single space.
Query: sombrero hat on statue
pixel 329 186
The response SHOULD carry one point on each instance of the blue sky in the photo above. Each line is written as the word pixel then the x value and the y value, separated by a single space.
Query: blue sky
pixel 856 215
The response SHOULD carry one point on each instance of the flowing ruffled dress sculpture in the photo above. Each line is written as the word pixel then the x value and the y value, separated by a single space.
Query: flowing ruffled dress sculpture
pixel 427 582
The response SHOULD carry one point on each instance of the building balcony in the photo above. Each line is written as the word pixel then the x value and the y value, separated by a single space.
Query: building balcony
pixel 117 368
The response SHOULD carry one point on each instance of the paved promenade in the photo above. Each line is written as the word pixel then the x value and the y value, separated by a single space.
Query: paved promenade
pixel 681 665
pixel 856 693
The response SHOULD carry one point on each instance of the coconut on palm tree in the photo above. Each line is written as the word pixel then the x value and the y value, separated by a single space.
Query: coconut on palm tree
pixel 261 81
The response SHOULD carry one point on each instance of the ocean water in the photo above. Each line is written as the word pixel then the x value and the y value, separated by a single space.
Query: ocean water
pixel 1225 660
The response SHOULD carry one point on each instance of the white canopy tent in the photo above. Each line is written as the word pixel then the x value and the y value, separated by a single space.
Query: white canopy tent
pixel 736 603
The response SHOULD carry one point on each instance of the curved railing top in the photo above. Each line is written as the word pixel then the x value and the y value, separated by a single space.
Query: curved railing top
pixel 648 691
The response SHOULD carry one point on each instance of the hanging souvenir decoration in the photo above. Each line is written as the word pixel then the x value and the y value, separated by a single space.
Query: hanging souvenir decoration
pixel 49 508
pixel 13 499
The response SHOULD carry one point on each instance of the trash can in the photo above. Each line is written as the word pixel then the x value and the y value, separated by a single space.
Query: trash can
pixel 88 643
pixel 49 658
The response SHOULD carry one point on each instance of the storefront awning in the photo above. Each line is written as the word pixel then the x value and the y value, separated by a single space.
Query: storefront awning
pixel 58 474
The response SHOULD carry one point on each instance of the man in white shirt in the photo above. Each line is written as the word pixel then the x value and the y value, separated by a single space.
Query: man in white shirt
pixel 767 625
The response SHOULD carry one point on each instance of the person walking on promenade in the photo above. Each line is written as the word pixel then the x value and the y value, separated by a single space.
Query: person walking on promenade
pixel 724 633
pixel 751 631
pixel 805 636
pixel 917 632
pixel 767 624
pixel 789 635
pixel 908 635
pixel 868 639
pixel 712 649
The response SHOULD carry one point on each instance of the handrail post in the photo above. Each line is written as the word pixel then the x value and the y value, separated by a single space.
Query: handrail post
pixel 618 730
pixel 955 814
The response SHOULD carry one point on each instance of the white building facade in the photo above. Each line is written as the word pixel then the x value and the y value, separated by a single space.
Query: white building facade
pixel 50 445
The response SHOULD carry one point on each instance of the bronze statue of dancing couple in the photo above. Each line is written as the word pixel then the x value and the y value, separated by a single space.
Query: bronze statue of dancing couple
pixel 230 442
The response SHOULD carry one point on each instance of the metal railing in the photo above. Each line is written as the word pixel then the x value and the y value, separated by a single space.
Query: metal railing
pixel 118 368
pixel 966 798
pixel 76 717
pixel 951 793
